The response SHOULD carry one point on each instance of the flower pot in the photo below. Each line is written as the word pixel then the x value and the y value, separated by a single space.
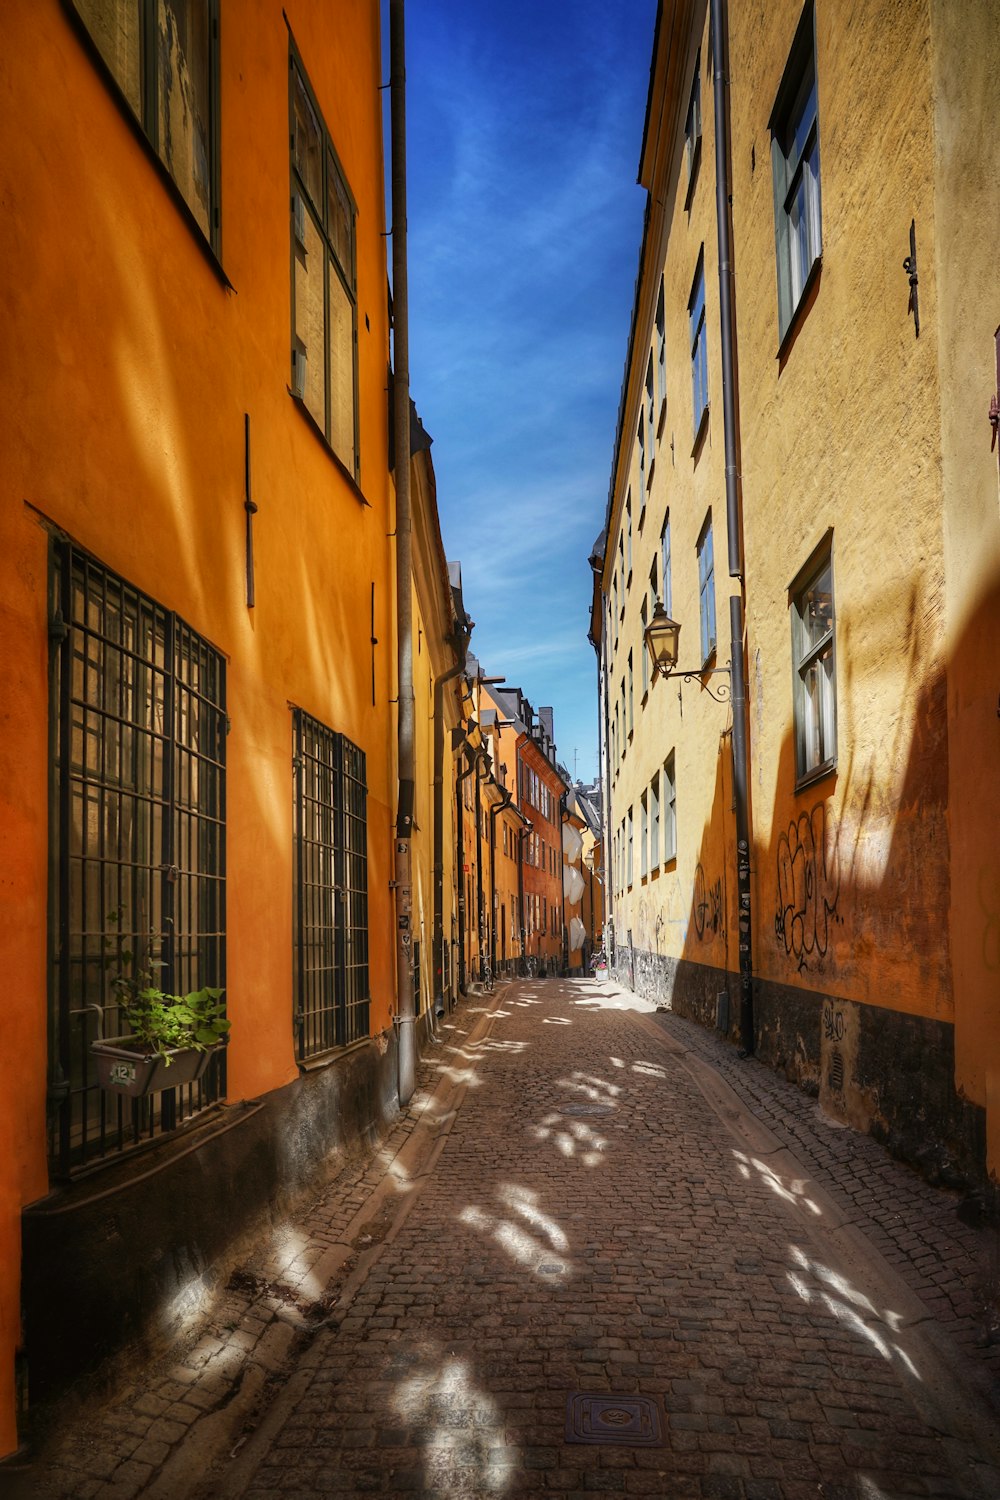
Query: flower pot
pixel 126 1067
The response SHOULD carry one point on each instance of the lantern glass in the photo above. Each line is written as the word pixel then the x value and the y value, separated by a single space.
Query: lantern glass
pixel 662 640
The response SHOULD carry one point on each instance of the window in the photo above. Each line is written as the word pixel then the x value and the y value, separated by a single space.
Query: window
pixel 164 57
pixel 706 589
pixel 650 428
pixel 640 438
pixel 628 535
pixel 628 857
pixel 795 169
pixel 139 818
pixel 699 346
pixel 661 350
pixel 669 810
pixel 630 703
pixel 624 719
pixel 692 131
pixel 643 653
pixel 330 905
pixel 668 601
pixel 813 656
pixel 654 823
pixel 324 311
pixel 643 835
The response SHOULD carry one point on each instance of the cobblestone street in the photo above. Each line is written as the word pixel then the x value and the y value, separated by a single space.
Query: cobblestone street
pixel 598 1256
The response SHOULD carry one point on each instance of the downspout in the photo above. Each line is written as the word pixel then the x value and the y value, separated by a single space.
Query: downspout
pixel 404 611
pixel 494 811
pixel 734 516
pixel 459 642
pixel 521 837
pixel 480 929
pixel 563 819
pixel 460 867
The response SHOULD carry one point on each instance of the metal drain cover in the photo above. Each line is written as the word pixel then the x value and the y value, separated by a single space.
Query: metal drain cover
pixel 584 1109
pixel 632 1420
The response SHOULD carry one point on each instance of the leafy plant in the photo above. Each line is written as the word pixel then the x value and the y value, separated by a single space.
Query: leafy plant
pixel 156 1019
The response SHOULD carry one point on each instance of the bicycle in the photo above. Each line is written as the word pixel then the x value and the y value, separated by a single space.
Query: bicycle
pixel 531 964
pixel 486 977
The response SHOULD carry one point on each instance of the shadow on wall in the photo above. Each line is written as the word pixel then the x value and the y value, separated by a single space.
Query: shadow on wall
pixel 876 891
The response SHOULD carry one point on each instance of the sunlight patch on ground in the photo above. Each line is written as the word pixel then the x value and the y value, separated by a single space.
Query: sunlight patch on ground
pixel 573 1138
pixel 599 1090
pixel 793 1191
pixel 844 1307
pixel 524 1201
pixel 524 1249
pixel 464 1431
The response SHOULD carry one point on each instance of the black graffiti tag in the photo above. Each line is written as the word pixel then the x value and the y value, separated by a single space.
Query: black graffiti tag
pixel 808 889
pixel 707 904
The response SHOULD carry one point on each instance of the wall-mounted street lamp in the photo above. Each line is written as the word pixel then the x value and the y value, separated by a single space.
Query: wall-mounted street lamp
pixel 662 636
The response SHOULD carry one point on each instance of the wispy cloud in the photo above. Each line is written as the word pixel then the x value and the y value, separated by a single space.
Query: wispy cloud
pixel 524 224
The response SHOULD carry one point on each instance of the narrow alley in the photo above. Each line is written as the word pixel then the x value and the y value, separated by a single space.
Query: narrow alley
pixel 581 1264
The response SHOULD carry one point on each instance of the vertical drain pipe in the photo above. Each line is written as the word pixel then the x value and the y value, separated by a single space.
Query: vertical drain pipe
pixel 404 609
pixel 734 516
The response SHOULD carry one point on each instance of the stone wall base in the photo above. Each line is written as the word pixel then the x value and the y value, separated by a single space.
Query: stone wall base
pixel 115 1260
pixel 881 1071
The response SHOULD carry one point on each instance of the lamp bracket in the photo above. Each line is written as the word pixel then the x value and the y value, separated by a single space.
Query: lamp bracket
pixel 722 693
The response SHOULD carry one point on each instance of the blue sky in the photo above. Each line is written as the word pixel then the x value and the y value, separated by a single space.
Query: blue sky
pixel 524 128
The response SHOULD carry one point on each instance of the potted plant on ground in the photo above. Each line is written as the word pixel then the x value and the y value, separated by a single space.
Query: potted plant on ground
pixel 171 1038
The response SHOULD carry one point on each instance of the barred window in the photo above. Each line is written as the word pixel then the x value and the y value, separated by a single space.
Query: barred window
pixel 330 905
pixel 139 820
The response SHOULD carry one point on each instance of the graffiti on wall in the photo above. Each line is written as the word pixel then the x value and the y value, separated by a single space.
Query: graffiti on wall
pixel 808 888
pixel 707 905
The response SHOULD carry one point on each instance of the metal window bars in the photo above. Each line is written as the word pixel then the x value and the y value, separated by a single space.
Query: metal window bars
pixel 330 907
pixel 138 789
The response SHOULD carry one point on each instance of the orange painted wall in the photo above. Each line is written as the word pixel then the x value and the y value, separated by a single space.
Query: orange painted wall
pixel 127 368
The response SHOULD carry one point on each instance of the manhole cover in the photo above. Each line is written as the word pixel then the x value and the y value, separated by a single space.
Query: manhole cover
pixel 634 1420
pixel 551 1268
pixel 584 1109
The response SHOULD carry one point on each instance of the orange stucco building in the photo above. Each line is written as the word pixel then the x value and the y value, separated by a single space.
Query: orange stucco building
pixel 196 638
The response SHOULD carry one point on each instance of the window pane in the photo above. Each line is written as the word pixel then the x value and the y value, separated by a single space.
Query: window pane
pixel 309 320
pixel 815 608
pixel 115 28
pixel 184 103
pixel 308 154
pixel 341 371
pixel 340 219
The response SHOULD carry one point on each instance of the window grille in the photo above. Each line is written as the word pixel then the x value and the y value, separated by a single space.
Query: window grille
pixel 139 820
pixel 330 908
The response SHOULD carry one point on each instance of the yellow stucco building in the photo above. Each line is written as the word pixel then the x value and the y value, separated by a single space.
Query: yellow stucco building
pixel 801 821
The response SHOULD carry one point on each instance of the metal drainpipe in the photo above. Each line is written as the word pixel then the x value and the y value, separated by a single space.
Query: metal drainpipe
pixel 459 643
pixel 563 819
pixel 480 930
pixel 460 865
pixel 522 836
pixel 494 811
pixel 404 613
pixel 734 516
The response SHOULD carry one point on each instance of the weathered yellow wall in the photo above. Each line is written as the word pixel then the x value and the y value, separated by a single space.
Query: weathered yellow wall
pixel 127 370
pixel 843 432
pixel 686 907
pixel 966 65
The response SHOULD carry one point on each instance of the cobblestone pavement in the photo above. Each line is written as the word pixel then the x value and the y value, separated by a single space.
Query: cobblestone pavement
pixel 578 1231
pixel 953 1266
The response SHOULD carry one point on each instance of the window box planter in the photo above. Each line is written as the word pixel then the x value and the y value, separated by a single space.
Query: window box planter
pixel 128 1067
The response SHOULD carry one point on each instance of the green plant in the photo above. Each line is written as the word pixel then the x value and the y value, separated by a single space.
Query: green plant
pixel 158 1020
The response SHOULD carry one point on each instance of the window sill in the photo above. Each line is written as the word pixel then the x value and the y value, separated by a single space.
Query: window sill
pixel 331 1055
pixel 321 438
pixel 692 181
pixel 799 311
pixel 700 430
pixel 818 773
